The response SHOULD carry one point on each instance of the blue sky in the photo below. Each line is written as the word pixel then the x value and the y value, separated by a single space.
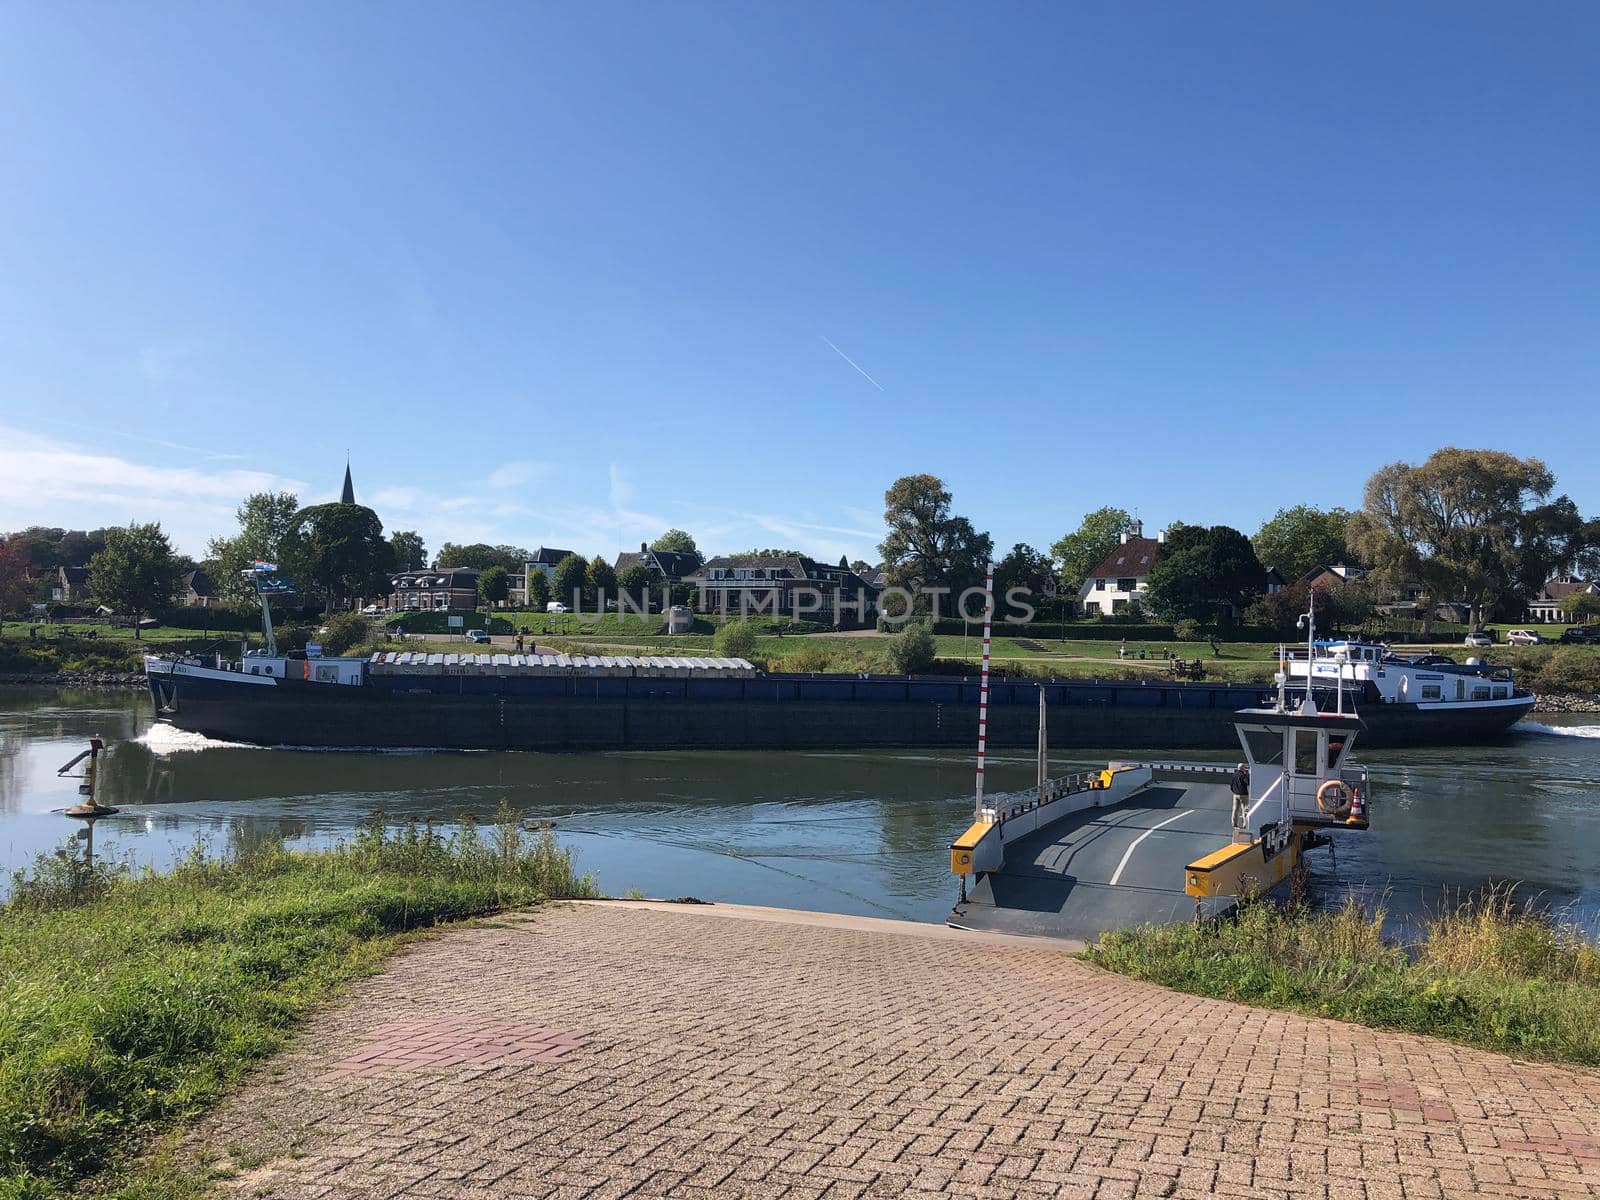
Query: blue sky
pixel 573 273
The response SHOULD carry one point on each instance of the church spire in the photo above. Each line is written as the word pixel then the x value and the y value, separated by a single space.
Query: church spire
pixel 348 496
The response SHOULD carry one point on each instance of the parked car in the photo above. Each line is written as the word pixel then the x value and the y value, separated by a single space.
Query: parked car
pixel 481 636
pixel 1523 637
pixel 1481 638
pixel 1581 635
pixel 555 606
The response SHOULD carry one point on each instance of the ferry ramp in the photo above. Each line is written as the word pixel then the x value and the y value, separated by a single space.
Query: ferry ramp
pixel 1104 868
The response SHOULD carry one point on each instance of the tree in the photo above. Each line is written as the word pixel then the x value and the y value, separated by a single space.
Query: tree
pixel 634 581
pixel 135 574
pixel 1454 526
pixel 1298 540
pixel 16 584
pixel 1339 606
pixel 494 585
pixel 912 649
pixel 1079 552
pixel 861 566
pixel 538 590
pixel 736 639
pixel 678 542
pixel 265 520
pixel 1552 539
pixel 338 551
pixel 410 554
pixel 928 546
pixel 480 556
pixel 1580 606
pixel 568 580
pixel 78 546
pixel 1023 567
pixel 48 547
pixel 1204 574
pixel 601 580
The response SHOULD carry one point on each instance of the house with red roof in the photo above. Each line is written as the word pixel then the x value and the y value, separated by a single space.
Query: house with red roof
pixel 1118 583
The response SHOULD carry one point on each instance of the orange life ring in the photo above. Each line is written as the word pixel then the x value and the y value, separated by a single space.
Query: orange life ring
pixel 1337 786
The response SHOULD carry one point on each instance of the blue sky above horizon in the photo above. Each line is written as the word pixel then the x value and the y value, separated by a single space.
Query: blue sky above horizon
pixel 572 274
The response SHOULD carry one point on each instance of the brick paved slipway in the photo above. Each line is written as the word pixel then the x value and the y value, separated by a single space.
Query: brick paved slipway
pixel 608 1050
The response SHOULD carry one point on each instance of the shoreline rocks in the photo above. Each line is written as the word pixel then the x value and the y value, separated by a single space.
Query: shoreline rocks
pixel 80 679
pixel 1567 702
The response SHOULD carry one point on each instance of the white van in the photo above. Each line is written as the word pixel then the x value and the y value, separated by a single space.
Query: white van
pixel 555 606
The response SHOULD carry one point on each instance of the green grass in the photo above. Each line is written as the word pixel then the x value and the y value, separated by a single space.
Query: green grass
pixel 128 1003
pixel 1490 973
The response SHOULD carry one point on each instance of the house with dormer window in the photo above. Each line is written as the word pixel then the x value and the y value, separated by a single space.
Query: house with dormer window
pixel 1118 583
pixel 785 585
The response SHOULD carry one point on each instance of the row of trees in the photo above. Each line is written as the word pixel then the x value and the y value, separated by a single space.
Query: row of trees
pixel 1478 527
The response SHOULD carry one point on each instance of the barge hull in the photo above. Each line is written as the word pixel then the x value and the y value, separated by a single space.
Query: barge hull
pixel 777 713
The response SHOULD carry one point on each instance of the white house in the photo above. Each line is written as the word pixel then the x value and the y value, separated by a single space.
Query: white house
pixel 1118 583
pixel 1546 606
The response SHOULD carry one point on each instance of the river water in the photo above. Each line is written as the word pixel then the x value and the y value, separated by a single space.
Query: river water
pixel 859 832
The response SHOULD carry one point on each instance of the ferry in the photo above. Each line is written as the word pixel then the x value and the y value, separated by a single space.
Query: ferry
pixel 1458 700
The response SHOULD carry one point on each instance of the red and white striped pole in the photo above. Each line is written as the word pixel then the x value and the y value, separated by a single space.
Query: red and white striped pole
pixel 983 688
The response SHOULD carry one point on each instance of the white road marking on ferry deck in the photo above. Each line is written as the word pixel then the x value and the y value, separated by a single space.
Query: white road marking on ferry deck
pixel 1134 845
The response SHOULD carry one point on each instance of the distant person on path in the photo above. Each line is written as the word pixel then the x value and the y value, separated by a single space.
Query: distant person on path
pixel 1122 650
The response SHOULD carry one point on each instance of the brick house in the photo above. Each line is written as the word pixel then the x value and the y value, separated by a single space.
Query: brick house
pixel 790 585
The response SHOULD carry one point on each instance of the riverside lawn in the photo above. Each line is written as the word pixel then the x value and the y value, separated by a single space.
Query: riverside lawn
pixel 129 1002
pixel 1489 971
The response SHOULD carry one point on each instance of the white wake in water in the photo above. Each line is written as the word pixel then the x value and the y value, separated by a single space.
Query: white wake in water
pixel 167 739
pixel 1583 731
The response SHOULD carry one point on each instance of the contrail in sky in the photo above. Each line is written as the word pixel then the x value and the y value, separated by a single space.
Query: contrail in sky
pixel 854 364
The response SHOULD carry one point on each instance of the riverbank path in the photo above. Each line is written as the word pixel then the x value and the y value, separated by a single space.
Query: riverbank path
pixel 616 1049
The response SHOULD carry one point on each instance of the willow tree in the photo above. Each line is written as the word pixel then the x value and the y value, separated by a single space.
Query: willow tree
pixel 1455 527
pixel 928 546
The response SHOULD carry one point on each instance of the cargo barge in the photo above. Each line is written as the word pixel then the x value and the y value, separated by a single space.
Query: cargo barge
pixel 582 703
pixel 559 702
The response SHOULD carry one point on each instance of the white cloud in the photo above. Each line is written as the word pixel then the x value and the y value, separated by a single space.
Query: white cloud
pixel 54 481
pixel 514 474
pixel 43 480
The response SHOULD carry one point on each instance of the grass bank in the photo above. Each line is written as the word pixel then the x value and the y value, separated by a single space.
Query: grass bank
pixel 128 1002
pixel 25 657
pixel 1491 972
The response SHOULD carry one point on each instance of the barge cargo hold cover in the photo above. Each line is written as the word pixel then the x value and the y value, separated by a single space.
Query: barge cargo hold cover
pixel 589 702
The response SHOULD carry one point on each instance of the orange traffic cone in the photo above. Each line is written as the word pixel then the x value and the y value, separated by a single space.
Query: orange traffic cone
pixel 1358 807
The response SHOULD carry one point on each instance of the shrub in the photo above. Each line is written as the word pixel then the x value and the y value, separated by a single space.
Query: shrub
pixel 1188 630
pixel 912 650
pixel 1572 668
pixel 809 660
pixel 736 639
pixel 344 632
